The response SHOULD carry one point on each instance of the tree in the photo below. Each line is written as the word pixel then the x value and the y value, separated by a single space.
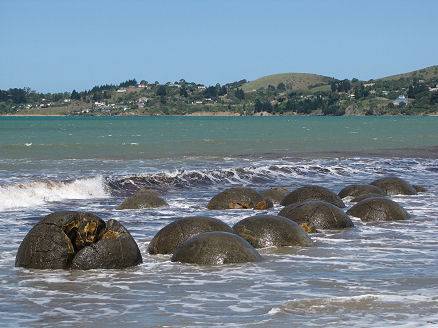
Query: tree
pixel 210 92
pixel 18 96
pixel 240 94
pixel 281 86
pixel 75 95
pixel 161 91
pixel 183 92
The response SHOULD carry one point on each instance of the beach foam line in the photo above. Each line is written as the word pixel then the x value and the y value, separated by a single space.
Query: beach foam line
pixel 34 193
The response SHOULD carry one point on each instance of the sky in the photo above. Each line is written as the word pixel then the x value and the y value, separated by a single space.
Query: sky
pixel 60 45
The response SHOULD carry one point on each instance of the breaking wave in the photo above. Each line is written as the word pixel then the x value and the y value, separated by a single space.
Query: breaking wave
pixel 35 193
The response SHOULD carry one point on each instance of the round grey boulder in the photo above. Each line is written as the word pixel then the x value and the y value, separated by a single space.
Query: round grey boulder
pixel 312 215
pixel 271 230
pixel 378 209
pixel 55 241
pixel 360 189
pixel 215 248
pixel 419 188
pixel 308 193
pixel 147 191
pixel 238 198
pixel 172 235
pixel 394 186
pixel 365 196
pixel 141 201
pixel 275 194
pixel 116 249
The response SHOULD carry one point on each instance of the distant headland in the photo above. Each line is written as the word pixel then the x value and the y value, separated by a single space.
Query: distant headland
pixel 413 93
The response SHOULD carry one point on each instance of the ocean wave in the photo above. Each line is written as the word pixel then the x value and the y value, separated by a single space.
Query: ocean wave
pixel 35 193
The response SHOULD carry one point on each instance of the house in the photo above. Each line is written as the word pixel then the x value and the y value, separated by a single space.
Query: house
pixel 201 87
pixel 141 85
pixel 121 90
pixel 385 93
pixel 401 99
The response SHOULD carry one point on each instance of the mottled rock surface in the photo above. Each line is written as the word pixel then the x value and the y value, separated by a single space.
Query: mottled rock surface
pixel 271 230
pixel 308 193
pixel 360 189
pixel 317 214
pixel 237 198
pixel 171 236
pixel 378 209
pixel 216 248
pixel 394 186
pixel 275 194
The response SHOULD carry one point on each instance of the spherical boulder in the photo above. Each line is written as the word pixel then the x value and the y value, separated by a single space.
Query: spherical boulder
pixel 394 186
pixel 317 214
pixel 378 209
pixel 275 194
pixel 308 193
pixel 365 196
pixel 142 201
pixel 55 241
pixel 360 189
pixel 215 248
pixel 271 230
pixel 172 235
pixel 419 188
pixel 116 249
pixel 237 198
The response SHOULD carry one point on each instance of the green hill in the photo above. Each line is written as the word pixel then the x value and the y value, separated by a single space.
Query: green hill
pixel 292 81
pixel 426 74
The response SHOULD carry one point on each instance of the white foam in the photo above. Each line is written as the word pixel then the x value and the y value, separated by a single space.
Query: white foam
pixel 36 193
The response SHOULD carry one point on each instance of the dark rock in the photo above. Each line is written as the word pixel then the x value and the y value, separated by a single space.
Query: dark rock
pixel 275 194
pixel 308 193
pixel 237 198
pixel 378 209
pixel 116 249
pixel 419 188
pixel 171 236
pixel 317 214
pixel 271 230
pixel 360 189
pixel 57 238
pixel 394 186
pixel 365 196
pixel 214 248
pixel 140 201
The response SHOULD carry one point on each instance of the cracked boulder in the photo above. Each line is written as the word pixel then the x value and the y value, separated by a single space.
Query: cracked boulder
pixel 142 201
pixel 360 189
pixel 378 209
pixel 238 198
pixel 171 236
pixel 271 230
pixel 394 186
pixel 308 193
pixel 216 248
pixel 57 240
pixel 316 214
pixel 365 196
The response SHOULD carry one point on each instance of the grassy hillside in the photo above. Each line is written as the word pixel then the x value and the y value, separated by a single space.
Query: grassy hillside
pixel 426 74
pixel 292 81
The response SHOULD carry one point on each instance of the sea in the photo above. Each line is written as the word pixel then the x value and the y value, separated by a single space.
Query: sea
pixel 372 275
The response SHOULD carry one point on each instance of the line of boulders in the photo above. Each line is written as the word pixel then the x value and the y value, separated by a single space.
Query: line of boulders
pixel 78 240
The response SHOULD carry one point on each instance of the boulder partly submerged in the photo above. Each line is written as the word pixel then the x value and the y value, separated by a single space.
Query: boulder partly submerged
pixel 172 235
pixel 378 209
pixel 360 189
pixel 271 230
pixel 239 198
pixel 142 201
pixel 215 248
pixel 57 239
pixel 316 214
pixel 275 194
pixel 365 196
pixel 394 186
pixel 308 193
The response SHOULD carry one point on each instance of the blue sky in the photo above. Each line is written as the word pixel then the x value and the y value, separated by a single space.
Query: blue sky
pixel 56 45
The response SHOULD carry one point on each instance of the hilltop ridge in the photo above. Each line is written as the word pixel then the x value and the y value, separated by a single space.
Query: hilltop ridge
pixel 412 93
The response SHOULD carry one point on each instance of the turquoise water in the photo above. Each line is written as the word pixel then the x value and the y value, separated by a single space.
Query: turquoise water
pixel 152 137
